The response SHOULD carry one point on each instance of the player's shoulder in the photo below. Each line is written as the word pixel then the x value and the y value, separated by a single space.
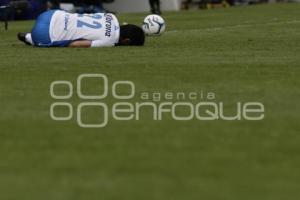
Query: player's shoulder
pixel 113 18
pixel 113 15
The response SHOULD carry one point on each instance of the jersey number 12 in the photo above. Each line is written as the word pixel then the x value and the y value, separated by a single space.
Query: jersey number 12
pixel 83 23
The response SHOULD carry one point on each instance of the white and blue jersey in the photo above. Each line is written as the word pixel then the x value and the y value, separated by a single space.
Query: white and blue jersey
pixel 56 28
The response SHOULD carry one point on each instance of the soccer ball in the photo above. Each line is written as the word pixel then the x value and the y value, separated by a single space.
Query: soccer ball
pixel 154 25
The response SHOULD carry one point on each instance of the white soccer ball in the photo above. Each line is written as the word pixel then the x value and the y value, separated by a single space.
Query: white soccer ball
pixel 154 25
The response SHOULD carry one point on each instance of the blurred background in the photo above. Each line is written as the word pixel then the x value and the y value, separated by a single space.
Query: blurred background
pixel 30 9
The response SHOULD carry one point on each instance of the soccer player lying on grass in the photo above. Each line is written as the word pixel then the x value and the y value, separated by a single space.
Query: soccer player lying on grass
pixel 57 28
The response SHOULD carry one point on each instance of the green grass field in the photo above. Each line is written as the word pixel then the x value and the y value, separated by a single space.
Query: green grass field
pixel 241 54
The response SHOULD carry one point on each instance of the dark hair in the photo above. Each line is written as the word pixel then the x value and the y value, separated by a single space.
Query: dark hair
pixel 135 35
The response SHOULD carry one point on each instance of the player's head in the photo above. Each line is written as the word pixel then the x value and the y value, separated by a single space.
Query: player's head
pixel 131 35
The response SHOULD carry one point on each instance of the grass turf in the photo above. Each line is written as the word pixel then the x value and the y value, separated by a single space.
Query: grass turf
pixel 242 54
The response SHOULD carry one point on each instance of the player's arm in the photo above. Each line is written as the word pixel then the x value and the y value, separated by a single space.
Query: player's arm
pixel 81 44
pixel 88 43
